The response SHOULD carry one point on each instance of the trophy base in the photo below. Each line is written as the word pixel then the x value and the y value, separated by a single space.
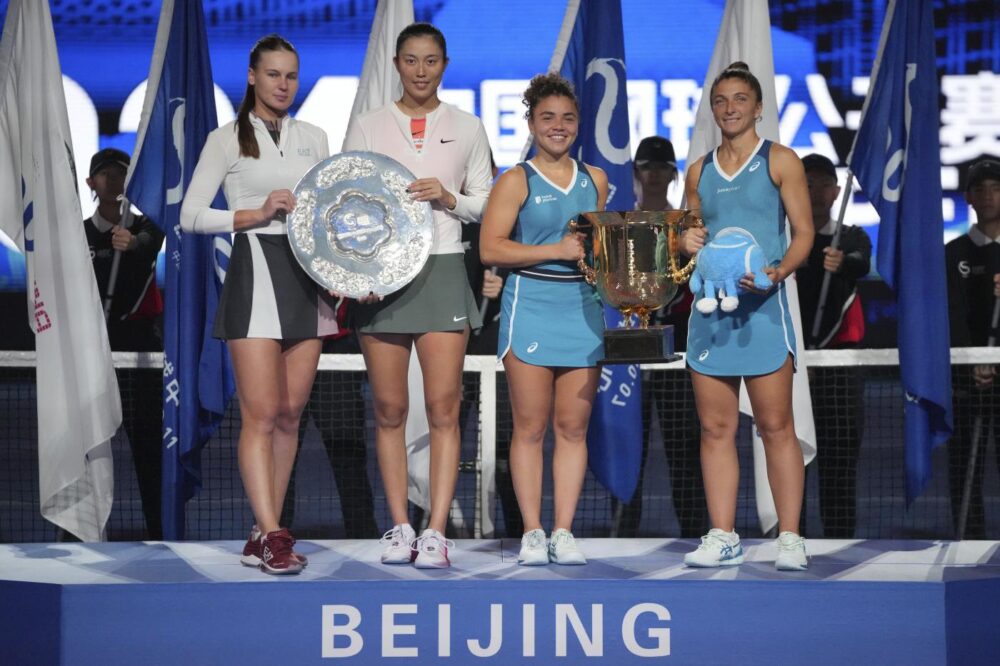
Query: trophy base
pixel 639 345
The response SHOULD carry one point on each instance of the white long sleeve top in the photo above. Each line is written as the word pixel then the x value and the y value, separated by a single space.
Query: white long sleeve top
pixel 455 151
pixel 246 181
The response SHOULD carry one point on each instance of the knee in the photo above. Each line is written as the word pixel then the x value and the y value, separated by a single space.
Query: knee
pixel 570 431
pixel 529 434
pixel 390 414
pixel 775 429
pixel 260 420
pixel 442 412
pixel 715 431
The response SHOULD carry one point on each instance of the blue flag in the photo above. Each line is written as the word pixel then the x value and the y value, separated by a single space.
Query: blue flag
pixel 896 158
pixel 178 115
pixel 594 61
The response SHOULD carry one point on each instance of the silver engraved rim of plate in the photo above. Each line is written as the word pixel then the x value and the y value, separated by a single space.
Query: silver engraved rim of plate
pixel 355 230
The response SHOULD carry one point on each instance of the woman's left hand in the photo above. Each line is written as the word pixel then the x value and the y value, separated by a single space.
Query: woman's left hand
pixel 431 189
pixel 776 273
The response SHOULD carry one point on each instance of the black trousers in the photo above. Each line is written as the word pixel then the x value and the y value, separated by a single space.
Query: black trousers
pixel 673 395
pixel 838 414
pixel 973 406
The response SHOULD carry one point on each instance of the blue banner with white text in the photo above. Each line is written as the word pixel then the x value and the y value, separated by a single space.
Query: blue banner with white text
pixel 595 64
pixel 197 376
pixel 897 161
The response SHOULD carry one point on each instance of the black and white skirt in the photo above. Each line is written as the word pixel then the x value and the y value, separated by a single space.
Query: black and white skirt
pixel 268 295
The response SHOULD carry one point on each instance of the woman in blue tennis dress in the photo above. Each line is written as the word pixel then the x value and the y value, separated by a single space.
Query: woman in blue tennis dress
pixel 551 324
pixel 751 184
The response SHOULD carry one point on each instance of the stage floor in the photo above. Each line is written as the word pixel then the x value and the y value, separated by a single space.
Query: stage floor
pixel 905 602
pixel 609 559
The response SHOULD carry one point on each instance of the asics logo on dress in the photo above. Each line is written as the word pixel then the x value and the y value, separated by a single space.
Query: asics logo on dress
pixel 532 347
pixel 702 356
pixel 583 183
pixel 754 166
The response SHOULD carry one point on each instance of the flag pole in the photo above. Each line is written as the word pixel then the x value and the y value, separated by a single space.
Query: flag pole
pixel 834 243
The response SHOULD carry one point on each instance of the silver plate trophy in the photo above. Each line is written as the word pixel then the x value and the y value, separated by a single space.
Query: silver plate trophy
pixel 355 229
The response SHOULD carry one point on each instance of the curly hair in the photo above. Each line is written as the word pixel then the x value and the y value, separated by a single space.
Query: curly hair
pixel 739 70
pixel 547 85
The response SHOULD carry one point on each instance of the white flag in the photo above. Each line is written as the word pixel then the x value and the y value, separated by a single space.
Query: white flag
pixel 79 408
pixel 379 86
pixel 745 35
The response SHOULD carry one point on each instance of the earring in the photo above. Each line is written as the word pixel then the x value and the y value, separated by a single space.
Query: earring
pixel 759 118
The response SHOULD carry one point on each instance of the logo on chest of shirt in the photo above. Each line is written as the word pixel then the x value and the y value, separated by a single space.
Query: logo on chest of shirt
pixel 721 190
pixel 965 269
pixel 545 198
pixel 754 166
pixel 583 183
pixel 305 152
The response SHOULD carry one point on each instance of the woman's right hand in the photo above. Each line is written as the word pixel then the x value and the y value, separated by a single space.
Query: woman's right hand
pixel 692 240
pixel 570 248
pixel 278 202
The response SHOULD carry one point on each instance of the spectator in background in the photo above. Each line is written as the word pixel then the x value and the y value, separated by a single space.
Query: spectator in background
pixel 133 319
pixel 973 272
pixel 654 169
pixel 836 390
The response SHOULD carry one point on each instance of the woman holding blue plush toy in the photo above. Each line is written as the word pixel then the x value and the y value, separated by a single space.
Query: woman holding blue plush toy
pixel 744 189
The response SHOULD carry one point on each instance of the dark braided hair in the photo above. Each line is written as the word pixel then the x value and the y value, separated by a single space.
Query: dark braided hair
pixel 547 85
pixel 244 129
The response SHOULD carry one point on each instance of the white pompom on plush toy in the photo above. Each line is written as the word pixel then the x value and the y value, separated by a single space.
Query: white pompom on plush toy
pixel 731 254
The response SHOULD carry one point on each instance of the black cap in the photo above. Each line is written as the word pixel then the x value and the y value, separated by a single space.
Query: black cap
pixel 816 162
pixel 103 158
pixel 655 149
pixel 984 169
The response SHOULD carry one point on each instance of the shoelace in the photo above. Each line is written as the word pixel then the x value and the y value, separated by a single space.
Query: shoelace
pixel 790 544
pixel 713 540
pixel 395 537
pixel 432 542
pixel 563 540
pixel 534 539
pixel 279 544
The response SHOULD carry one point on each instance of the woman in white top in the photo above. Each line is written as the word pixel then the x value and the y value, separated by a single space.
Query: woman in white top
pixel 271 313
pixel 447 151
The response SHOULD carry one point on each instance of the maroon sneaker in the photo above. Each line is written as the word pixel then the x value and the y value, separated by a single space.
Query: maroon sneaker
pixel 276 553
pixel 252 549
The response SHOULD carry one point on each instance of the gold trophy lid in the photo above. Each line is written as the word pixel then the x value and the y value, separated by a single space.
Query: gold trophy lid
pixel 670 217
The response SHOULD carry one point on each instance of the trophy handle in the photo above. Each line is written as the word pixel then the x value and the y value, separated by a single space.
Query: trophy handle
pixel 691 220
pixel 589 274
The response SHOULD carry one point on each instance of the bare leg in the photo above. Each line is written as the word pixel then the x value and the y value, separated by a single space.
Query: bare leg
pixel 771 399
pixel 574 397
pixel 531 397
pixel 387 358
pixel 441 355
pixel 259 374
pixel 299 361
pixel 717 400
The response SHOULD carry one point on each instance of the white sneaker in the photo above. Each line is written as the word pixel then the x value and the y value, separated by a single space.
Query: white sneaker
pixel 791 553
pixel 533 549
pixel 718 549
pixel 399 545
pixel 563 549
pixel 432 550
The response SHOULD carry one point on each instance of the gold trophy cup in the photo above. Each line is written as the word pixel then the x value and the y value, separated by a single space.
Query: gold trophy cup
pixel 632 260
